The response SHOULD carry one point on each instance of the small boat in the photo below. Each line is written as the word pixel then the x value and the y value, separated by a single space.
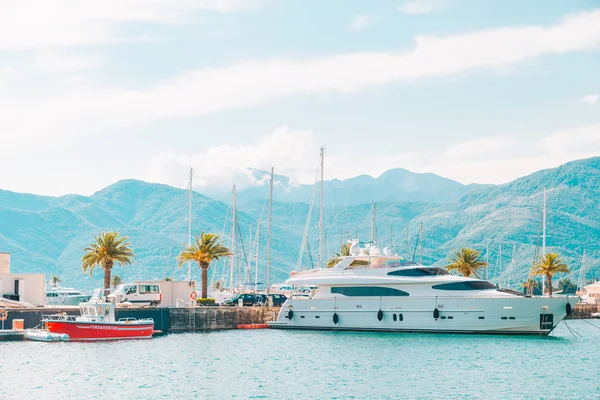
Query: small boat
pixel 97 322
pixel 42 335
pixel 595 315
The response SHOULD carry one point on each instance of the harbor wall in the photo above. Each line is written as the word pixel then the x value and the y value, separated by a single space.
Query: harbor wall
pixel 583 310
pixel 166 320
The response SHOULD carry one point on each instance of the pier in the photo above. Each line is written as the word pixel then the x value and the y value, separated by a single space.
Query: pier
pixel 166 320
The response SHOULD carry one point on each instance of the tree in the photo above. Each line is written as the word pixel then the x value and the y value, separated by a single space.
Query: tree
pixel 116 280
pixel 530 284
pixel 55 280
pixel 206 248
pixel 109 248
pixel 549 265
pixel 344 252
pixel 567 286
pixel 466 262
pixel 168 279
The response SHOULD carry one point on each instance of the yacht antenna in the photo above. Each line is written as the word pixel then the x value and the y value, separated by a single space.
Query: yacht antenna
pixel 233 241
pixel 500 265
pixel 320 261
pixel 421 241
pixel 267 283
pixel 189 271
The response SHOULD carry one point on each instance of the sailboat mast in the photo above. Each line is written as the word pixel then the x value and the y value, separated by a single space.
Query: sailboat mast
pixel 500 265
pixel 407 245
pixel 373 212
pixel 256 265
pixel 189 271
pixel 268 276
pixel 421 241
pixel 544 239
pixel 233 241
pixel 487 260
pixel 321 210
pixel 392 239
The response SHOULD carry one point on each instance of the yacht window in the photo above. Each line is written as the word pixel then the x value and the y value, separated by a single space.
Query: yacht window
pixel 419 272
pixel 367 291
pixel 401 317
pixel 394 317
pixel 470 285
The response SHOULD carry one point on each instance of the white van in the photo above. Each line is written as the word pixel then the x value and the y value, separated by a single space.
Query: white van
pixel 138 293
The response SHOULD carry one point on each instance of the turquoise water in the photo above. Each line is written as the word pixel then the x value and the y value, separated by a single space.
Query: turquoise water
pixel 274 364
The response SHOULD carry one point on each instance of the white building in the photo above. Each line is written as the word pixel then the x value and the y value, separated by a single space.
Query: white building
pixel 29 288
pixel 593 293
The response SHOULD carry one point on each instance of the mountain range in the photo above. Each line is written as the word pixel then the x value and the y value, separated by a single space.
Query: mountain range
pixel 47 234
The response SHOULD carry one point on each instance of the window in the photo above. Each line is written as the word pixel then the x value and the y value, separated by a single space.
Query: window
pixel 419 272
pixel 367 291
pixel 394 317
pixel 155 289
pixel 401 317
pixel 469 285
pixel 143 289
pixel 130 290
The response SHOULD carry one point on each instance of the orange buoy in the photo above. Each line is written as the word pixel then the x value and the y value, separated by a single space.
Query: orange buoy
pixel 252 326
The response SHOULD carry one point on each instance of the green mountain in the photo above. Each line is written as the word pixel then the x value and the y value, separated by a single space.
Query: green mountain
pixel 47 234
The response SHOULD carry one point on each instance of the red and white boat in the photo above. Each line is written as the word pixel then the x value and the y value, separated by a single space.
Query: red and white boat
pixel 97 322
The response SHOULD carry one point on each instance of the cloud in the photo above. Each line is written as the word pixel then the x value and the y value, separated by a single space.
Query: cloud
pixel 590 99
pixel 421 6
pixel 295 154
pixel 93 110
pixel 360 22
pixel 478 148
pixel 219 167
pixel 42 24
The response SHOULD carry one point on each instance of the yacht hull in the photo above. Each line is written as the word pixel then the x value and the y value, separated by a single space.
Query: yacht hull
pixel 493 315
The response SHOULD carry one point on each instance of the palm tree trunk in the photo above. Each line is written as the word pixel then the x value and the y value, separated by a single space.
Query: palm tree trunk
pixel 204 267
pixel 107 271
pixel 549 284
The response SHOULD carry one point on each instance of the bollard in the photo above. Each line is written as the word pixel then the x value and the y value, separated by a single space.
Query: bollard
pixel 240 302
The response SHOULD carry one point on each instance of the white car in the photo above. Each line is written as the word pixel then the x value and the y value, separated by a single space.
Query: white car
pixel 138 294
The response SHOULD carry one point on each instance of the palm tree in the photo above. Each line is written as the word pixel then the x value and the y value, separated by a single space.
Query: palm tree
pixel 55 280
pixel 108 249
pixel 549 265
pixel 530 284
pixel 206 249
pixel 466 262
pixel 116 280
pixel 344 252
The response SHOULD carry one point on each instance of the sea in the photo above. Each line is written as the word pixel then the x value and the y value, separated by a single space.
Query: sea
pixel 279 364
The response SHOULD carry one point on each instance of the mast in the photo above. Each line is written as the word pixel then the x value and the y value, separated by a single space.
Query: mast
pixel 321 211
pixel 256 265
pixel 233 241
pixel 513 264
pixel 500 265
pixel 487 259
pixel 544 239
pixel 373 212
pixel 267 282
pixel 421 241
pixel 582 274
pixel 392 239
pixel 407 245
pixel 189 271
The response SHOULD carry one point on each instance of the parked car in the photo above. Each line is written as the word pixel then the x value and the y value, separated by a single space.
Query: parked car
pixel 141 293
pixel 278 299
pixel 248 299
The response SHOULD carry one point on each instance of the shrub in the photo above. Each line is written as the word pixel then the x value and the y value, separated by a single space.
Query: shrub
pixel 206 301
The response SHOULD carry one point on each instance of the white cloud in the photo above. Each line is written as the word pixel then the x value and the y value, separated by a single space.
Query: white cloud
pixel 42 24
pixel 360 22
pixel 421 6
pixel 221 166
pixel 590 99
pixel 93 110
pixel 478 148
pixel 295 155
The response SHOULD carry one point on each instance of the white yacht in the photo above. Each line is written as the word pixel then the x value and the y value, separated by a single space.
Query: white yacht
pixel 384 293
pixel 57 296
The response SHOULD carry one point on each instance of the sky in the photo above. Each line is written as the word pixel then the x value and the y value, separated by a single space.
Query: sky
pixel 478 91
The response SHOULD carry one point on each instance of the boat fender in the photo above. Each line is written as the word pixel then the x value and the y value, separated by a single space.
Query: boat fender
pixel 290 315
pixel 335 318
pixel 379 315
pixel 436 313
pixel 568 309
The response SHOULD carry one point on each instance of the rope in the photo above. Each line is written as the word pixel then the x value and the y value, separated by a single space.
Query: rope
pixel 571 330
pixel 594 325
